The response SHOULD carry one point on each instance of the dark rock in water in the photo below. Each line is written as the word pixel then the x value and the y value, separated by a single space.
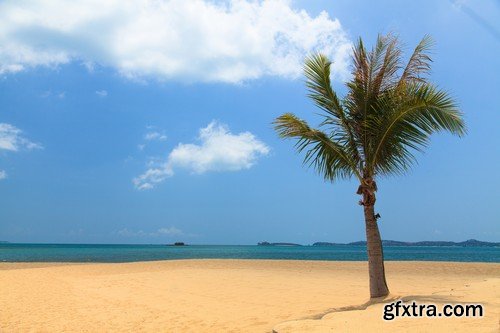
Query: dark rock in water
pixel 179 244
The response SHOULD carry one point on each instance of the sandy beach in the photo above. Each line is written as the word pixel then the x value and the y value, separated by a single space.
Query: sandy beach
pixel 237 296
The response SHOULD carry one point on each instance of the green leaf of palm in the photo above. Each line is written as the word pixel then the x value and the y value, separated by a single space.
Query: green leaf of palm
pixel 389 112
pixel 329 157
pixel 407 123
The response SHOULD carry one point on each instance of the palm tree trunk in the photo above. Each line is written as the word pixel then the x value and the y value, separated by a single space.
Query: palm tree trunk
pixel 378 284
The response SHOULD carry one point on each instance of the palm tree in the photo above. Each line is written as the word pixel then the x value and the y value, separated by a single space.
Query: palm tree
pixel 388 113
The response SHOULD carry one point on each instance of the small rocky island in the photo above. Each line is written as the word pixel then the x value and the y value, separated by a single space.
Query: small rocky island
pixel 277 244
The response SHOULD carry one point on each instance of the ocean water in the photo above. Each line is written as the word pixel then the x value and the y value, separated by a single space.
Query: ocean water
pixel 12 252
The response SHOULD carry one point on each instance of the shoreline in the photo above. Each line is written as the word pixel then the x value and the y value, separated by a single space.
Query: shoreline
pixel 41 264
pixel 238 259
pixel 249 295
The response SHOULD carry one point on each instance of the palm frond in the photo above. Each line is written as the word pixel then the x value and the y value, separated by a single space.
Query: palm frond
pixel 317 72
pixel 329 158
pixel 387 68
pixel 419 63
pixel 356 99
pixel 360 65
pixel 407 124
pixel 388 114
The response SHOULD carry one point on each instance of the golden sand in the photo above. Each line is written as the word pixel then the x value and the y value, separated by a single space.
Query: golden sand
pixel 237 296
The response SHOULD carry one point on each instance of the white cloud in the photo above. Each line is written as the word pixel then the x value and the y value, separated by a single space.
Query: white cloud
pixel 48 93
pixel 166 231
pixel 151 135
pixel 218 150
pixel 155 136
pixel 11 139
pixel 153 176
pixel 3 174
pixel 101 93
pixel 170 231
pixel 196 40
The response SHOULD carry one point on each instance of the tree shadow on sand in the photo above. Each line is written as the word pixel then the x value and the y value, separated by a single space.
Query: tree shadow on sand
pixel 433 298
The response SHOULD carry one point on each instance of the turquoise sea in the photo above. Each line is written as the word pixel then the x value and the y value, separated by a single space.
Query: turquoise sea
pixel 12 252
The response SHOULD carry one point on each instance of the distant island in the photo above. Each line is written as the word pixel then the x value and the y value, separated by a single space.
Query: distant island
pixel 467 243
pixel 277 244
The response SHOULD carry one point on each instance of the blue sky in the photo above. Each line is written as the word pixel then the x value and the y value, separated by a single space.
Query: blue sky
pixel 151 123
